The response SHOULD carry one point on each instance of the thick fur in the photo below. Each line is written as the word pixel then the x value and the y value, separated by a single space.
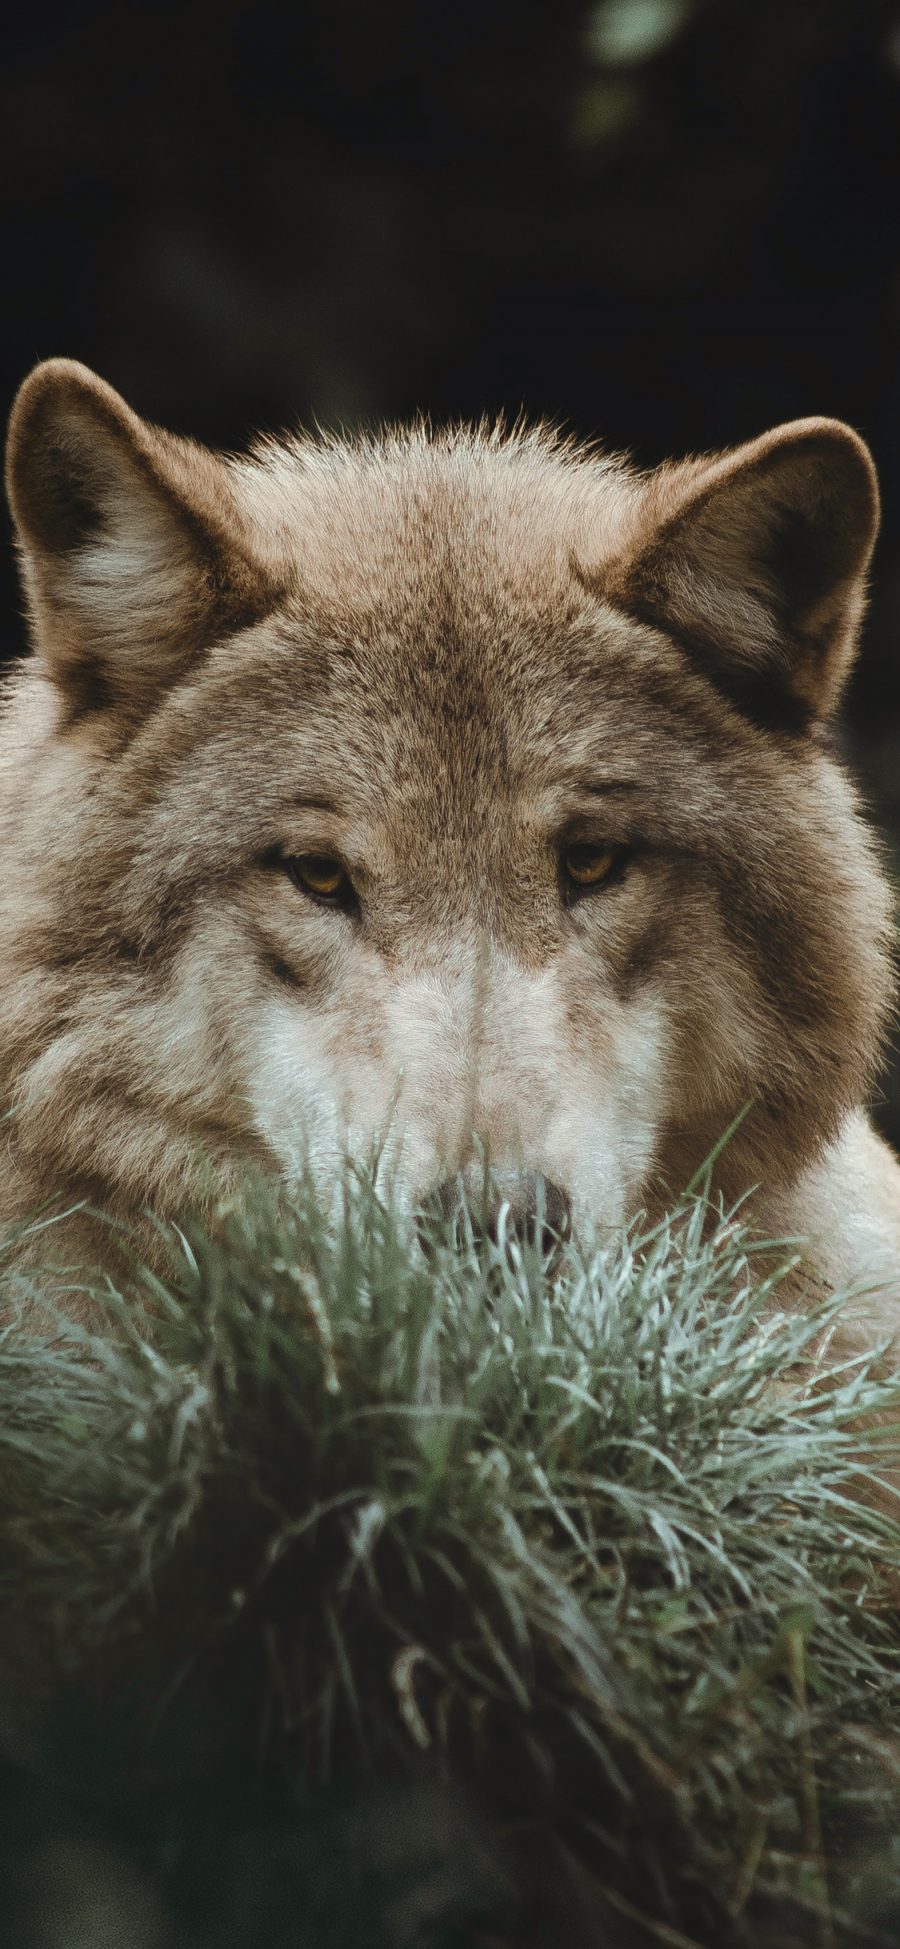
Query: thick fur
pixel 437 658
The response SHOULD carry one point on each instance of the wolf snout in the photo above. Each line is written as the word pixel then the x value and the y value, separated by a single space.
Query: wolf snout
pixel 525 1208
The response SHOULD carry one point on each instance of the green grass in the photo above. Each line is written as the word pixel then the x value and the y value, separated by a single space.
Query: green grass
pixel 356 1595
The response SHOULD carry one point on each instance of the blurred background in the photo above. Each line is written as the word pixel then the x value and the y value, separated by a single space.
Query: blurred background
pixel 669 223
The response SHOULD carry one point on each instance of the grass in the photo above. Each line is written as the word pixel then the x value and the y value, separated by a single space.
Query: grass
pixel 355 1594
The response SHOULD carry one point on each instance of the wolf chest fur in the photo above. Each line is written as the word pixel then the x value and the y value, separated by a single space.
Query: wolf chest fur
pixel 452 794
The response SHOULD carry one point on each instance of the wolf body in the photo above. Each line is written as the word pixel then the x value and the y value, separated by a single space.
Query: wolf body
pixel 454 793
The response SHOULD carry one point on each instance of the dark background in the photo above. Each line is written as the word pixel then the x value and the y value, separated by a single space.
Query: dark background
pixel 668 222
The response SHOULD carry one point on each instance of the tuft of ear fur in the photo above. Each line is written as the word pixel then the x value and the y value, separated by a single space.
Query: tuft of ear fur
pixel 134 553
pixel 756 561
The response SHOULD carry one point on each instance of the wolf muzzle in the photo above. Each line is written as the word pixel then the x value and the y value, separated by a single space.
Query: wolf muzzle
pixel 479 1208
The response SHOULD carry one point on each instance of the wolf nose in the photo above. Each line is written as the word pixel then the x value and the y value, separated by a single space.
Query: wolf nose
pixel 528 1208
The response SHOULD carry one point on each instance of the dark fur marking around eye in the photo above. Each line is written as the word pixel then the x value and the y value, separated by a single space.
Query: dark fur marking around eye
pixel 279 969
pixel 275 964
pixel 640 960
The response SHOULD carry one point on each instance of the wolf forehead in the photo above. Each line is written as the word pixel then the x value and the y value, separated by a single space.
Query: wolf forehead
pixel 450 580
pixel 490 654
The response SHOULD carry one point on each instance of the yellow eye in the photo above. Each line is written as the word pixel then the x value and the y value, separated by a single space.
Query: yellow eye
pixel 324 878
pixel 586 866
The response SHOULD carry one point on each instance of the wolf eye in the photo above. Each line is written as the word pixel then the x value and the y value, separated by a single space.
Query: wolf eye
pixel 586 867
pixel 323 878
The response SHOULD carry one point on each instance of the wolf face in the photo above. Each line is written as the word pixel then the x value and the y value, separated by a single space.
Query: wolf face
pixel 440 795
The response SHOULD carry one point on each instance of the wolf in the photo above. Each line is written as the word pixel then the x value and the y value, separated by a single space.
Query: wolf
pixel 456 793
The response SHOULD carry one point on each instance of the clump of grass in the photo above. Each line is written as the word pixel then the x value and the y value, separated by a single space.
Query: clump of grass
pixel 580 1562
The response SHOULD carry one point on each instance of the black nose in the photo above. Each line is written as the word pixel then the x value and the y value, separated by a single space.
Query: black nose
pixel 523 1208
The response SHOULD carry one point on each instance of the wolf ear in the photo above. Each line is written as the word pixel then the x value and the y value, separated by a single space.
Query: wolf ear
pixel 132 546
pixel 756 560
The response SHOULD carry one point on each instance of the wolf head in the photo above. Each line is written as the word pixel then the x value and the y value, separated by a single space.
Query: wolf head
pixel 453 795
